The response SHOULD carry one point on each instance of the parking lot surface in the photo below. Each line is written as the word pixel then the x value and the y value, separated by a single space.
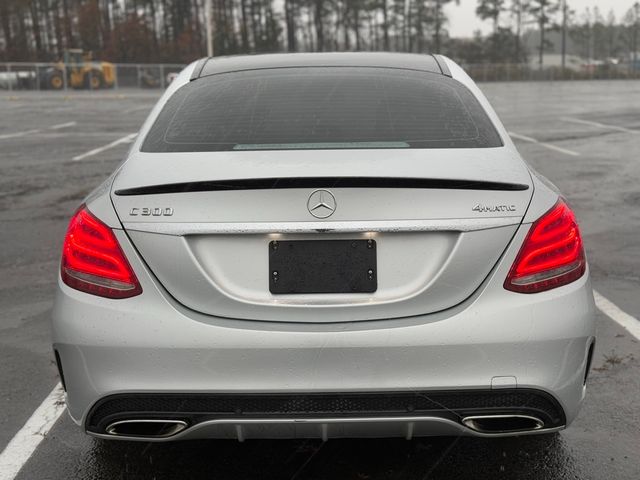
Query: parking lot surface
pixel 584 136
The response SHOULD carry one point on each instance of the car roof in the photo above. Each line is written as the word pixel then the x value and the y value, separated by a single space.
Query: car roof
pixel 407 61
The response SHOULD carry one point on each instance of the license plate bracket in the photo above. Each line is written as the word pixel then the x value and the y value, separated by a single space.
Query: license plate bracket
pixel 322 266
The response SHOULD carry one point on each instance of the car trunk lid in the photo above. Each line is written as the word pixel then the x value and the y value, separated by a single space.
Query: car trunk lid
pixel 204 223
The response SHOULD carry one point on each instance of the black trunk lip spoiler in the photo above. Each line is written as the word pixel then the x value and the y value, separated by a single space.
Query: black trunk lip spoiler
pixel 208 66
pixel 320 182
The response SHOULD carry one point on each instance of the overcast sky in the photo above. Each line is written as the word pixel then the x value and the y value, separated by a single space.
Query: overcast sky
pixel 463 21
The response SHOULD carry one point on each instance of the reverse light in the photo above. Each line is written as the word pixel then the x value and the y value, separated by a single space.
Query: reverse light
pixel 552 255
pixel 92 260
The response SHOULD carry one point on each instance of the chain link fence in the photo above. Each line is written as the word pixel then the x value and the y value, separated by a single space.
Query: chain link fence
pixel 104 75
pixel 85 76
pixel 506 72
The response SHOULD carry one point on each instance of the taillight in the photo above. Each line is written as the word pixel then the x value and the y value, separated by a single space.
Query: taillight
pixel 552 254
pixel 92 260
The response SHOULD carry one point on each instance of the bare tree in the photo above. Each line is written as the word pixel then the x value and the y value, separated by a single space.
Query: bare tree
pixel 491 10
pixel 439 20
pixel 318 19
pixel 290 14
pixel 542 11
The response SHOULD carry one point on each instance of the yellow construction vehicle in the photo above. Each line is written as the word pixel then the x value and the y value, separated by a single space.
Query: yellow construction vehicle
pixel 78 70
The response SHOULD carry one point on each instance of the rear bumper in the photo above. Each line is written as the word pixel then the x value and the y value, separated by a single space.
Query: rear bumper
pixel 106 351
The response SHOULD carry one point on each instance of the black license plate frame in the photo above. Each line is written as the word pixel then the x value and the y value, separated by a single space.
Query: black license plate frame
pixel 323 266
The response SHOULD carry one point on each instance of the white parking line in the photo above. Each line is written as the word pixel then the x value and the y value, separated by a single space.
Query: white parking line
pixel 126 139
pixel 24 443
pixel 544 144
pixel 62 125
pixel 600 125
pixel 37 130
pixel 611 310
pixel 18 134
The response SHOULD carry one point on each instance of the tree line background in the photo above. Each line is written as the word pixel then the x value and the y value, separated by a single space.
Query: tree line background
pixel 174 30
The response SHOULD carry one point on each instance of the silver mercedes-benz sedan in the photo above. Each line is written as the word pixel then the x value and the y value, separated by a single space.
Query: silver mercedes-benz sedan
pixel 320 246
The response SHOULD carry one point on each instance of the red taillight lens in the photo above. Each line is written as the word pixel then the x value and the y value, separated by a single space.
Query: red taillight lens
pixel 552 254
pixel 92 260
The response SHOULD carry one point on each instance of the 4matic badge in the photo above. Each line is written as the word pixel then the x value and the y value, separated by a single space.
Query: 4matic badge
pixel 493 208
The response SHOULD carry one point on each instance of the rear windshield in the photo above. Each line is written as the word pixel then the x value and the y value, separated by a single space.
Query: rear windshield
pixel 321 107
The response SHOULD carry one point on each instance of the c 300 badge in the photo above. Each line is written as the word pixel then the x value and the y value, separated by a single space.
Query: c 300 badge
pixel 151 211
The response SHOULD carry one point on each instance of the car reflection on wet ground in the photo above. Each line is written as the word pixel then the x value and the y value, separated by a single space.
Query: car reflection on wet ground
pixel 533 457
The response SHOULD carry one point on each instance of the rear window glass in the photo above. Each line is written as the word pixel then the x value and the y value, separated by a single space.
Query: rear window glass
pixel 321 107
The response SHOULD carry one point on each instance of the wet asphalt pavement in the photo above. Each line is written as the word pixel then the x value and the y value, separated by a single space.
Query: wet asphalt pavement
pixel 40 187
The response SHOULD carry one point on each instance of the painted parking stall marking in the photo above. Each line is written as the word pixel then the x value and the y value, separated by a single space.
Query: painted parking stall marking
pixel 25 442
pixel 605 126
pixel 126 139
pixel 24 133
pixel 18 134
pixel 550 146
pixel 62 125
pixel 611 310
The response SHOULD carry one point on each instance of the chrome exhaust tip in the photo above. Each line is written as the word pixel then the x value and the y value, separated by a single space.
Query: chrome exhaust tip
pixel 147 428
pixel 502 423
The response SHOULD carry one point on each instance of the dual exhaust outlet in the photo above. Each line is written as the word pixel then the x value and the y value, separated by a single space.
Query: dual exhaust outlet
pixel 146 428
pixel 502 423
pixel 486 424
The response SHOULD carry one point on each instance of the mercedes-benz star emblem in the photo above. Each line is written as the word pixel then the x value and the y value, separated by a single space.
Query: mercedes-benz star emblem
pixel 321 204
